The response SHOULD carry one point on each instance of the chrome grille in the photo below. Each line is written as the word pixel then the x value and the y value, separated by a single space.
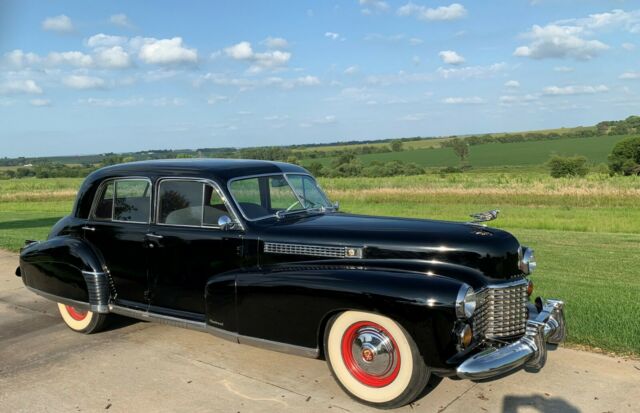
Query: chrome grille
pixel 502 310
pixel 314 250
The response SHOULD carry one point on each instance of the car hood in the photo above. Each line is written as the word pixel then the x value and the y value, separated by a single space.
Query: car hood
pixel 492 251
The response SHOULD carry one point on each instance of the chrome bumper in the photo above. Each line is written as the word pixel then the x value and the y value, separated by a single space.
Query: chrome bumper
pixel 547 326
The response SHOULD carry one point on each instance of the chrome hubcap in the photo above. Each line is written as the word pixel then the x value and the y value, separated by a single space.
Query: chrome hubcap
pixel 373 352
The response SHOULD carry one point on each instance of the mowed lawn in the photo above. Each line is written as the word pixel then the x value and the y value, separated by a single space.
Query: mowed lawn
pixel 586 232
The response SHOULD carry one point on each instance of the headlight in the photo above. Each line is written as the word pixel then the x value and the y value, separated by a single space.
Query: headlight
pixel 465 302
pixel 527 262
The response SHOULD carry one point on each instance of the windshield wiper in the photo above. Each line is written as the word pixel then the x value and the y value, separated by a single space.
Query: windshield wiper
pixel 320 209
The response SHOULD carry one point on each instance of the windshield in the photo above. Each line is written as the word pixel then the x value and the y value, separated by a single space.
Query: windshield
pixel 277 195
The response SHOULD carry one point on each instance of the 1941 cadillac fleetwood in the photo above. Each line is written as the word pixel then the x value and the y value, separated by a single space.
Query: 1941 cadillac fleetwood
pixel 253 251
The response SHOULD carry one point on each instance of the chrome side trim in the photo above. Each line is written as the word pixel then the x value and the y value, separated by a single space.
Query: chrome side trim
pixel 62 300
pixel 218 332
pixel 313 250
pixel 280 347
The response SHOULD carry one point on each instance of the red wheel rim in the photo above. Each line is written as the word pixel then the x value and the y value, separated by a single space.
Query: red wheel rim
pixel 75 313
pixel 371 354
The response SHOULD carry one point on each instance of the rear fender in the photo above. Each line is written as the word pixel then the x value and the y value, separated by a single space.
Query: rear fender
pixel 67 270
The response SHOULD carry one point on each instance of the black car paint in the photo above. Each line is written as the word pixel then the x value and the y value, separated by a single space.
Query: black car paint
pixel 410 270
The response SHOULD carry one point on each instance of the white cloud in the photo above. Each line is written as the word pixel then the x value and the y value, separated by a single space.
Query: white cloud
pixel 105 40
pixel 553 41
pixel 113 58
pixel 306 81
pixel 275 43
pixel 19 59
pixel 414 117
pixel 267 60
pixel 112 103
pixel 215 99
pixel 83 82
pixel 574 90
pixel 167 52
pixel 451 12
pixel 472 100
pixel 629 21
pixel 26 86
pixel 370 6
pixel 59 24
pixel 240 51
pixel 121 20
pixel 333 36
pixel 351 70
pixel 40 102
pixel 450 57
pixel 629 46
pixel 414 41
pixel 325 120
pixel 630 76
pixel 512 84
pixel 72 58
pixel 472 72
pixel 563 69
pixel 164 101
pixel 512 100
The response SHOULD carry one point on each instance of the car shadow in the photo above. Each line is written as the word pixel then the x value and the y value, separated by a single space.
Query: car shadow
pixel 117 322
pixel 29 223
pixel 515 404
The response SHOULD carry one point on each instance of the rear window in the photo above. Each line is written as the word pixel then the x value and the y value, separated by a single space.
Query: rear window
pixel 125 200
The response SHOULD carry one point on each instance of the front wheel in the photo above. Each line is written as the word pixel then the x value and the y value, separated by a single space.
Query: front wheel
pixel 374 359
pixel 82 321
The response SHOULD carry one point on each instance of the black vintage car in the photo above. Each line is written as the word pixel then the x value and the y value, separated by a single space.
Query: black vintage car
pixel 254 252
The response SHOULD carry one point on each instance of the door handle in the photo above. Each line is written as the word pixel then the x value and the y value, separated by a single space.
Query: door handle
pixel 88 228
pixel 156 236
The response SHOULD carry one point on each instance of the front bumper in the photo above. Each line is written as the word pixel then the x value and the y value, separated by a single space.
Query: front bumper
pixel 547 326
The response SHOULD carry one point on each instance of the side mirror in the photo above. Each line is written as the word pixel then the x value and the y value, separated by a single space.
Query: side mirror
pixel 336 205
pixel 224 222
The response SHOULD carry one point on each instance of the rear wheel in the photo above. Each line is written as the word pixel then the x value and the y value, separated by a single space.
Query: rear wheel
pixel 374 359
pixel 82 321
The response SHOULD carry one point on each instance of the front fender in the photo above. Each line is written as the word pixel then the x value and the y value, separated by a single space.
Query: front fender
pixel 292 304
pixel 67 270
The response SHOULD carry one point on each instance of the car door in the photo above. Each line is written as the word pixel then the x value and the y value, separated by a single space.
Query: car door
pixel 117 228
pixel 193 250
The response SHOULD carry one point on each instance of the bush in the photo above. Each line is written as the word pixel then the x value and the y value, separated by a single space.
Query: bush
pixel 625 157
pixel 392 168
pixel 560 166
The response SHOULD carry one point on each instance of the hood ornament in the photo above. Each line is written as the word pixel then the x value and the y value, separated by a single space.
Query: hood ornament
pixel 485 216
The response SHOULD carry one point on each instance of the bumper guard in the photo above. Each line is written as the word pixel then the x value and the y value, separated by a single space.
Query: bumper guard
pixel 548 326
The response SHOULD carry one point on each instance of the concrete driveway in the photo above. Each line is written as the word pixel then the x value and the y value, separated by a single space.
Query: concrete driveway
pixel 139 367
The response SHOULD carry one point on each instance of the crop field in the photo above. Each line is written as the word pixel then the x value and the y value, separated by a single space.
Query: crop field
pixel 586 231
pixel 595 149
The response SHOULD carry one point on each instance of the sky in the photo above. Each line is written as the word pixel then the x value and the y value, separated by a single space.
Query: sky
pixel 85 77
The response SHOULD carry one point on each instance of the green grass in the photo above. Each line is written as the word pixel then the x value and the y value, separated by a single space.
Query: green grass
pixel 595 149
pixel 586 231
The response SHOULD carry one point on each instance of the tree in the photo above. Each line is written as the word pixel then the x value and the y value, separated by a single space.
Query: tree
pixel 625 157
pixel 460 148
pixel 396 146
pixel 560 166
pixel 316 169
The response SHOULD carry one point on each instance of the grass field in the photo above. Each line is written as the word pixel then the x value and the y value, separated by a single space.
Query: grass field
pixel 595 149
pixel 586 231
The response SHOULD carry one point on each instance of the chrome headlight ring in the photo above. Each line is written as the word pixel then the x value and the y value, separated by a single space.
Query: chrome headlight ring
pixel 465 301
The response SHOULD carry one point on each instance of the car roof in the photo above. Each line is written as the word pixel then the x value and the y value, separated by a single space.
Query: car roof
pixel 222 169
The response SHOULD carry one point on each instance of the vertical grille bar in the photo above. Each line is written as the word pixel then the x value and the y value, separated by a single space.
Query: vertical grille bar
pixel 502 311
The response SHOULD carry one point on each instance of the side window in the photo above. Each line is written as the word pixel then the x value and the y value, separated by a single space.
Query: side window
pixel 104 207
pixel 189 203
pixel 132 200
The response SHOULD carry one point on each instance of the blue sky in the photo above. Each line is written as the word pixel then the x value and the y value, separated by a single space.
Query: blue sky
pixel 80 77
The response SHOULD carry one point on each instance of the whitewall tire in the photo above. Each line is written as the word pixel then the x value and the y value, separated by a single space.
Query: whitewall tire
pixel 82 321
pixel 374 359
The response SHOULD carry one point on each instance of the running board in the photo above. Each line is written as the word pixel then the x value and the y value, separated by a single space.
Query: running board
pixel 218 332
